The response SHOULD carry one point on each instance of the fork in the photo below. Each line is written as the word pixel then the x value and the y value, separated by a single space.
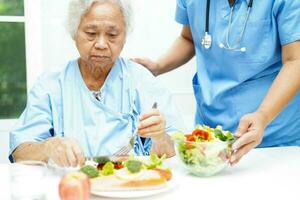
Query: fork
pixel 127 148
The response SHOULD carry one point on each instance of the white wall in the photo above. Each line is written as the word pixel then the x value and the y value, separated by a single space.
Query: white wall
pixel 4 147
pixel 154 31
pixel 5 125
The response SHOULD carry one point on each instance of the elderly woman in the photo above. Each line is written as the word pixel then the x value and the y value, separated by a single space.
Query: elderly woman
pixel 97 102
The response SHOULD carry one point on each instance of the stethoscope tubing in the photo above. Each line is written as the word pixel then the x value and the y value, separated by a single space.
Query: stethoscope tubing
pixel 228 46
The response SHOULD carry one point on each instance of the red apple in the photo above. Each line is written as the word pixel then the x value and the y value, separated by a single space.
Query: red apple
pixel 75 186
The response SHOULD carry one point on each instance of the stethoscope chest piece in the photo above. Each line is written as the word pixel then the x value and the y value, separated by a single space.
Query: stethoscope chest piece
pixel 206 40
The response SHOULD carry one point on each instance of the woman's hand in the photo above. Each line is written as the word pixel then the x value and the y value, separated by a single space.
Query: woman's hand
pixel 65 152
pixel 250 133
pixel 152 125
pixel 149 64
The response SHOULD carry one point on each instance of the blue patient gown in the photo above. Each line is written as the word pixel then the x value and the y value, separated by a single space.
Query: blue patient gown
pixel 60 104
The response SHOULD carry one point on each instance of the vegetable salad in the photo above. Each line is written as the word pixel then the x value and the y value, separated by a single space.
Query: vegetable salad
pixel 205 151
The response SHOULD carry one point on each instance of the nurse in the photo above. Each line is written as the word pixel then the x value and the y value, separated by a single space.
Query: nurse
pixel 95 103
pixel 248 68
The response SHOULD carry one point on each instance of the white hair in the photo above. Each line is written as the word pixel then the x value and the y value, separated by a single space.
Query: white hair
pixel 78 8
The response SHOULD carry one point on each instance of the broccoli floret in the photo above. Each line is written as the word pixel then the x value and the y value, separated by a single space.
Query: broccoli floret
pixel 89 170
pixel 102 160
pixel 134 166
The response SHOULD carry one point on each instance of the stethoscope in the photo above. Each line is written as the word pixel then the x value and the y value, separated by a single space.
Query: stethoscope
pixel 207 39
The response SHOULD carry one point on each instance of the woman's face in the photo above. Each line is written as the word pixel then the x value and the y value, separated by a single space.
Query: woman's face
pixel 101 35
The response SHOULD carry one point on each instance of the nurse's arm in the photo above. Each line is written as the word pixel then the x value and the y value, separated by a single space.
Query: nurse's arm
pixel 286 85
pixel 180 53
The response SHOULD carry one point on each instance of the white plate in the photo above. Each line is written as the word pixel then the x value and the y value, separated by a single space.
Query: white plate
pixel 139 193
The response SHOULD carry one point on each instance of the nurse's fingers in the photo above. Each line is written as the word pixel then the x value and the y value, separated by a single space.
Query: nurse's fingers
pixel 142 61
pixel 243 126
pixel 152 112
pixel 149 64
pixel 235 157
pixel 245 139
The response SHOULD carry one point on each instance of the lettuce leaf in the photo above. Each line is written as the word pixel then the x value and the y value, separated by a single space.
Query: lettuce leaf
pixel 108 169
pixel 155 161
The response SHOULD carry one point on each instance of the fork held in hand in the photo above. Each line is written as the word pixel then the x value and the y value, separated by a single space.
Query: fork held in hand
pixel 126 149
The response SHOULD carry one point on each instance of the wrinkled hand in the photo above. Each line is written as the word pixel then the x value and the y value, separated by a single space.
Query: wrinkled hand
pixel 250 133
pixel 149 64
pixel 152 125
pixel 65 152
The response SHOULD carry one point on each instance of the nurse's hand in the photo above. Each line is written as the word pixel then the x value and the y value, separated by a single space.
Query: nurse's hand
pixel 250 133
pixel 149 64
pixel 65 152
pixel 152 125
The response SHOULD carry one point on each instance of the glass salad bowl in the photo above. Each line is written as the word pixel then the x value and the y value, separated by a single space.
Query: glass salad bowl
pixel 204 152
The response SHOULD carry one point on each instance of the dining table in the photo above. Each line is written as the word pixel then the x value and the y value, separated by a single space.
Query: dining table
pixel 264 173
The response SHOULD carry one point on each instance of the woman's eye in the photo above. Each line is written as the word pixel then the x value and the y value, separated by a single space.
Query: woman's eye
pixel 112 35
pixel 91 33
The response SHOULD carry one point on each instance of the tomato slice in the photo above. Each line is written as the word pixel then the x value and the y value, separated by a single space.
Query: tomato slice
pixel 189 146
pixel 190 138
pixel 118 165
pixel 201 134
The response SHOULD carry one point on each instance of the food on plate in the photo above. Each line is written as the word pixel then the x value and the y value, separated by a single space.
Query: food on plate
pixel 132 173
pixel 89 170
pixel 134 166
pixel 102 160
pixel 167 174
pixel 204 151
pixel 74 186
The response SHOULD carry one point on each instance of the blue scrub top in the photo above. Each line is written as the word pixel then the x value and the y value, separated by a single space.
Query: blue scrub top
pixel 60 104
pixel 229 84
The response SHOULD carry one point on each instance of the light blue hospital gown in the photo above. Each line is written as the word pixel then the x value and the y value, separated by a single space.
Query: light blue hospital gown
pixel 229 84
pixel 60 104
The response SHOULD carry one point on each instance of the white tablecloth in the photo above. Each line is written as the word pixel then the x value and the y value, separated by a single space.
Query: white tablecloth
pixel 270 173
